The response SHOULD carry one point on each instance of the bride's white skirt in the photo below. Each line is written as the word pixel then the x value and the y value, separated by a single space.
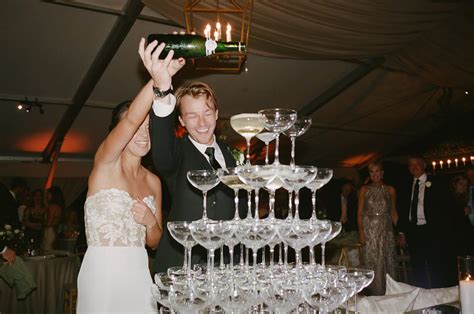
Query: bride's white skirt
pixel 115 280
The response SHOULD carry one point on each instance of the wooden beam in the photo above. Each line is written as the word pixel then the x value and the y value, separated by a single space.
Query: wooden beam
pixel 115 38
pixel 340 86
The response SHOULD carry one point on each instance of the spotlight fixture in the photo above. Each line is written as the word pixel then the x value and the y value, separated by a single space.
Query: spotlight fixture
pixel 27 105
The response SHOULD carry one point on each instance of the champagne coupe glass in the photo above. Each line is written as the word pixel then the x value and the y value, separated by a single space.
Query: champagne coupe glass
pixel 299 128
pixel 180 231
pixel 257 177
pixel 231 178
pixel 267 137
pixel 362 278
pixel 325 231
pixel 247 125
pixel 203 180
pixel 323 176
pixel 336 228
pixel 295 179
pixel 277 120
pixel 211 234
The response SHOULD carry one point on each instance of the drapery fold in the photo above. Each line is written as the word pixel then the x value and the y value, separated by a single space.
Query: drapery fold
pixel 432 39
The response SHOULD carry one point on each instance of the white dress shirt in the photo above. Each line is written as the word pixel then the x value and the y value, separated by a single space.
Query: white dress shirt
pixel 162 109
pixel 420 213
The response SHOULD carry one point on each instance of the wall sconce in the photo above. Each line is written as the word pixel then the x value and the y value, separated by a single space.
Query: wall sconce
pixel 27 105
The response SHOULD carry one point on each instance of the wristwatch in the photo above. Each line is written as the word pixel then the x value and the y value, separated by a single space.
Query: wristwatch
pixel 161 94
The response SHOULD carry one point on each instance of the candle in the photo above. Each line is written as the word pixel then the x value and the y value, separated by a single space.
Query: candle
pixel 456 162
pixel 472 160
pixel 207 31
pixel 216 35
pixel 449 163
pixel 466 295
pixel 441 164
pixel 434 165
pixel 228 36
pixel 218 28
pixel 464 160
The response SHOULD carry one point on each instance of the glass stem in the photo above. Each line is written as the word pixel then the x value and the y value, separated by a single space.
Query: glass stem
pixel 221 265
pixel 266 154
pixel 210 269
pixel 249 204
pixel 297 205
pixel 280 255
pixel 271 204
pixel 277 146
pixel 242 253
pixel 293 144
pixel 256 204
pixel 323 258
pixel 189 262
pixel 254 252
pixel 185 262
pixel 290 204
pixel 236 202
pixel 311 256
pixel 204 203
pixel 313 201
pixel 248 151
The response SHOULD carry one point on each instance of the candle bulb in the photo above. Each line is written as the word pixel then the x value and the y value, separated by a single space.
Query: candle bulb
pixel 207 31
pixel 216 35
pixel 472 160
pixel 449 163
pixel 434 165
pixel 464 160
pixel 441 164
pixel 228 36
pixel 218 29
pixel 456 162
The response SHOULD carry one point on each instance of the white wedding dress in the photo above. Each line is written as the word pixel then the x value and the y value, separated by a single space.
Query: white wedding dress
pixel 114 275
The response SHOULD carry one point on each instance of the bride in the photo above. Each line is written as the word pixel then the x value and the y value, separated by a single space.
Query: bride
pixel 123 207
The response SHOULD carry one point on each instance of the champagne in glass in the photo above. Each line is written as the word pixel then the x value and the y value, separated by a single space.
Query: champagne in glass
pixel 247 125
pixel 266 137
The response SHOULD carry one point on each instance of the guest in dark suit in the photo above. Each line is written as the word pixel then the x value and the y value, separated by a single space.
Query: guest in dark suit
pixel 196 108
pixel 343 206
pixel 422 226
pixel 9 212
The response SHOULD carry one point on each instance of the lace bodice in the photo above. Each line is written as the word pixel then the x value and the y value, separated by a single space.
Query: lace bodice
pixel 109 221
pixel 377 201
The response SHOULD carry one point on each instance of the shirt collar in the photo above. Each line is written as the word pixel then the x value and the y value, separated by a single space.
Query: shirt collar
pixel 422 178
pixel 202 147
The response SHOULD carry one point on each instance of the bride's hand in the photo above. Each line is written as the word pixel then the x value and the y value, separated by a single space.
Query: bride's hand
pixel 161 70
pixel 142 214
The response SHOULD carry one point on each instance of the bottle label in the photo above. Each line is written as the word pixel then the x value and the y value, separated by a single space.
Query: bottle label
pixel 211 46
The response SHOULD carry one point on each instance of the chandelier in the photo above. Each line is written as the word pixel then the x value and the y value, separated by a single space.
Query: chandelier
pixel 225 20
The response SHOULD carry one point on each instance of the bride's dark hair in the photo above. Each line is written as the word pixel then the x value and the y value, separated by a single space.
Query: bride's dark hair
pixel 118 113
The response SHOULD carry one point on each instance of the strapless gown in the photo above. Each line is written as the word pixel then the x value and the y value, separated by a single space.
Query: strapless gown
pixel 114 275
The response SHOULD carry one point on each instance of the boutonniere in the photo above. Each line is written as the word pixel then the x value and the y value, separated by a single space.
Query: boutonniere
pixel 238 155
pixel 428 184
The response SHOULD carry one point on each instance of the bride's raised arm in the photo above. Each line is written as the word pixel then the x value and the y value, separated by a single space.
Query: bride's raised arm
pixel 118 138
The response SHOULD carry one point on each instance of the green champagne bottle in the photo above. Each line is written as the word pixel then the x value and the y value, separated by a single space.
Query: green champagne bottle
pixel 193 46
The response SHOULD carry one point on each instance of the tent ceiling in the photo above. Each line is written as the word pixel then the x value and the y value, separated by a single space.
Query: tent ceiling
pixel 48 48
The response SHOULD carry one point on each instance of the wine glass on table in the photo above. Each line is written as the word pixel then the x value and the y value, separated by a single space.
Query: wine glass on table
pixel 277 120
pixel 203 180
pixel 247 125
pixel 266 137
pixel 299 128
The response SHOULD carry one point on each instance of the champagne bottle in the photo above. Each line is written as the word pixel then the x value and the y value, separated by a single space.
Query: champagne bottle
pixel 193 46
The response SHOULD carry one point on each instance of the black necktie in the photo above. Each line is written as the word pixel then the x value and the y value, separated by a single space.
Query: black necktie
pixel 414 203
pixel 212 159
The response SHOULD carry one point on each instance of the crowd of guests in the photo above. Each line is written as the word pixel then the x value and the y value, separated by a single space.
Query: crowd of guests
pixel 429 216
pixel 41 213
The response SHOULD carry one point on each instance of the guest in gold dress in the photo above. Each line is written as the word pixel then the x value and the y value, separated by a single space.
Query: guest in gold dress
pixel 375 214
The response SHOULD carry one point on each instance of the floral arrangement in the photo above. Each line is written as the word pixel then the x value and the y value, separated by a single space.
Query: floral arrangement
pixel 14 238
pixel 238 155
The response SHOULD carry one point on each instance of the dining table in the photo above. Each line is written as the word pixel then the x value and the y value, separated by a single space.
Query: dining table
pixel 51 273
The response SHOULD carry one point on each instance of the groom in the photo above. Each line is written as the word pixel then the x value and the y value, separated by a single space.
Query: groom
pixel 195 106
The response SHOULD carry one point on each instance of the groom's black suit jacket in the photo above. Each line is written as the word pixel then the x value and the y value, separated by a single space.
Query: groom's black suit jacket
pixel 173 157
